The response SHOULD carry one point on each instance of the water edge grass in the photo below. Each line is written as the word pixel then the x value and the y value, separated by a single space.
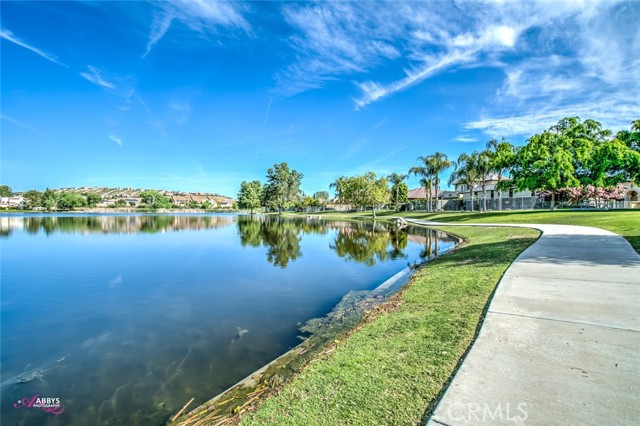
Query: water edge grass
pixel 393 368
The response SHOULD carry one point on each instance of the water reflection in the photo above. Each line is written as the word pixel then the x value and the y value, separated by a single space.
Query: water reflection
pixel 111 224
pixel 127 328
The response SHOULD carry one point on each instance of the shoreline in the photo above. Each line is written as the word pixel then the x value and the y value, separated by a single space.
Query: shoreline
pixel 254 385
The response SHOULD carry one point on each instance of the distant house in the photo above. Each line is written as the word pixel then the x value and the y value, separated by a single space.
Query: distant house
pixel 180 200
pixel 201 199
pixel 14 202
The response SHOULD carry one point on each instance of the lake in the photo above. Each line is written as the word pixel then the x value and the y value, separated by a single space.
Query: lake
pixel 125 318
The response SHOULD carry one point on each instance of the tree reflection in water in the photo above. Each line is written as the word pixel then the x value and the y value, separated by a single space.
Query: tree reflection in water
pixel 366 243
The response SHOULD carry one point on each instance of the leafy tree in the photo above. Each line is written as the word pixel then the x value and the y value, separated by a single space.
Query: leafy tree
pixel 155 199
pixel 614 162
pixel 5 191
pixel 396 179
pixel 193 204
pixel 93 199
pixel 120 203
pixel 50 199
pixel 361 191
pixel 250 195
pixel 502 155
pixel 560 157
pixel 631 138
pixel 207 205
pixel 311 202
pixel 282 189
pixel 70 200
pixel 32 198
pixel 323 196
pixel 376 191
pixel 399 194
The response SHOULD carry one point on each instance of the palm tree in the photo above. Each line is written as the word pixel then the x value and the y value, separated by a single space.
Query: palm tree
pixel 439 163
pixel 425 171
pixel 426 183
pixel 502 160
pixel 467 172
pixel 396 179
pixel 484 168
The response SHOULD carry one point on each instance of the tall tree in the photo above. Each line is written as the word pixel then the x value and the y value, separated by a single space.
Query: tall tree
pixel 467 171
pixel 282 189
pixel 399 194
pixel 376 191
pixel 483 163
pixel 559 157
pixel 250 195
pixel 32 198
pixel 427 184
pixel 502 160
pixel 438 163
pixel 50 199
pixel 631 138
pixel 396 179
pixel 425 171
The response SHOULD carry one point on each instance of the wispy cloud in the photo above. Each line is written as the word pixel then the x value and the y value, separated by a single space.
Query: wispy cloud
pixel 334 39
pixel 116 139
pixel 23 125
pixel 97 77
pixel 465 139
pixel 180 111
pixel 592 70
pixel 361 142
pixel 198 15
pixel 9 36
pixel 557 56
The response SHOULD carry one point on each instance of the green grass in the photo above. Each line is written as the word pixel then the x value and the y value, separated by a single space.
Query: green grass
pixel 394 368
pixel 623 222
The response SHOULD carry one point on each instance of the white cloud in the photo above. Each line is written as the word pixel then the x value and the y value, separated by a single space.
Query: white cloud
pixel 465 139
pixel 8 35
pixel 589 67
pixel 116 139
pixel 335 39
pixel 559 58
pixel 198 15
pixel 98 78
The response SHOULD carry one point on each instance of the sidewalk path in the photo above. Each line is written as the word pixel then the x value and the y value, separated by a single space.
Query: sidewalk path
pixel 560 344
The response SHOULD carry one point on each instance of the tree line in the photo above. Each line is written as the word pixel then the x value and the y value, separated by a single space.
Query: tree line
pixel 572 160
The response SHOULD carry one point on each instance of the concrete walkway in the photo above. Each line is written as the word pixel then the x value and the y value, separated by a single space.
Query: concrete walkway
pixel 560 344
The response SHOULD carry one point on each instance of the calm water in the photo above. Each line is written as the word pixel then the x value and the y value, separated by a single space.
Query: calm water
pixel 125 318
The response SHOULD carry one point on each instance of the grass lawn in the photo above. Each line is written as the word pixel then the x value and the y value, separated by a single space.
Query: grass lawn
pixel 624 222
pixel 393 368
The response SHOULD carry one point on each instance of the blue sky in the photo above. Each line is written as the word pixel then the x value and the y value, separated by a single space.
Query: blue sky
pixel 198 96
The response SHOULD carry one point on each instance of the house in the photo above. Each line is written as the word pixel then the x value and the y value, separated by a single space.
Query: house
pixel 201 199
pixel 180 200
pixel 632 195
pixel 14 202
